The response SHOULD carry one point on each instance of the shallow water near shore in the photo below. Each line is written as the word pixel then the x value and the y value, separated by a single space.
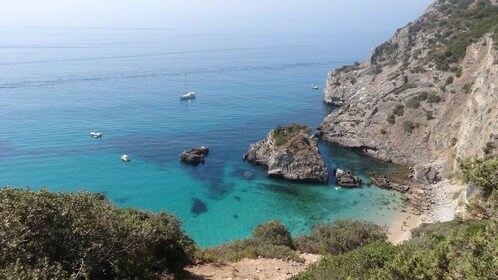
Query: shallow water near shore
pixel 57 85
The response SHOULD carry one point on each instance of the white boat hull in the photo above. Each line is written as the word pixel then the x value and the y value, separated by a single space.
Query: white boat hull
pixel 186 96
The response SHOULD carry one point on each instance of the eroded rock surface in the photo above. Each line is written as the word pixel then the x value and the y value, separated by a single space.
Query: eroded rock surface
pixel 346 178
pixel 290 152
pixel 194 156
pixel 415 102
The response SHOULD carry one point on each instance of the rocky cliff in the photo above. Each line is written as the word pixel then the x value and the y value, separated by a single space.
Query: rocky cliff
pixel 425 97
pixel 290 152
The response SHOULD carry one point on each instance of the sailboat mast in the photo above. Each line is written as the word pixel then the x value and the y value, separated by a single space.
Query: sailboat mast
pixel 185 80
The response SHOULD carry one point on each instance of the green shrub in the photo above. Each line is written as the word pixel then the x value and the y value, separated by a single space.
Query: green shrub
pixel 270 240
pixel 340 237
pixel 282 134
pixel 466 88
pixel 433 98
pixel 399 110
pixel 82 235
pixel 391 119
pixel 408 126
pixel 413 103
pixel 488 149
pixel 362 263
pixel 251 249
pixel 274 233
pixel 429 115
pixel 423 96
pixel 482 172
pixel 458 72
pixel 404 88
pixel 449 80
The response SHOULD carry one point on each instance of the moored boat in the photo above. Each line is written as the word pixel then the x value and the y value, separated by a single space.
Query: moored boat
pixel 96 134
pixel 188 95
pixel 125 158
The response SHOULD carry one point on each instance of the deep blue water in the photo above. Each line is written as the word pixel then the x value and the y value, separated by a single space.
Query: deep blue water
pixel 57 85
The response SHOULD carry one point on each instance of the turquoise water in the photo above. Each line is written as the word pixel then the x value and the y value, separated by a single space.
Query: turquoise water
pixel 57 85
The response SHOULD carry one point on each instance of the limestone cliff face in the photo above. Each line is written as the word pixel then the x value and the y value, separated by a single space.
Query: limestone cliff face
pixel 291 153
pixel 421 99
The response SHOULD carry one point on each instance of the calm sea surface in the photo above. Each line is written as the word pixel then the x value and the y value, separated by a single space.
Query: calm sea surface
pixel 57 85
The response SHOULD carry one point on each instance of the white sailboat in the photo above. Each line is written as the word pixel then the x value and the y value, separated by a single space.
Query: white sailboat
pixel 96 134
pixel 187 95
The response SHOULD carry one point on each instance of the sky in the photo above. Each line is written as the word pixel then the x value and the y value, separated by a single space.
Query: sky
pixel 214 14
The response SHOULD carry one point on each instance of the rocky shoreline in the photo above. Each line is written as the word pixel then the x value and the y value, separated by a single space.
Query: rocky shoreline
pixel 422 101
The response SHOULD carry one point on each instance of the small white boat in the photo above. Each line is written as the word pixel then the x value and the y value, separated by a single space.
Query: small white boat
pixel 96 134
pixel 188 95
pixel 125 158
pixel 314 87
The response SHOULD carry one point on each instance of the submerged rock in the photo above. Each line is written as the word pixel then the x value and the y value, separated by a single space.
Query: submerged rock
pixel 290 152
pixel 346 178
pixel 198 207
pixel 248 175
pixel 195 155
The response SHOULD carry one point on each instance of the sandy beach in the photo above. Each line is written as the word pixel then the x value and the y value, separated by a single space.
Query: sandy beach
pixel 400 230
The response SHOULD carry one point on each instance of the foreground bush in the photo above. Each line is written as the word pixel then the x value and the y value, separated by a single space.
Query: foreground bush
pixel 340 237
pixel 250 248
pixel 269 240
pixel 274 233
pixel 470 251
pixel 482 172
pixel 47 235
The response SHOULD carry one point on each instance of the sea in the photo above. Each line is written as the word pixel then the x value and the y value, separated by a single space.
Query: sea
pixel 59 84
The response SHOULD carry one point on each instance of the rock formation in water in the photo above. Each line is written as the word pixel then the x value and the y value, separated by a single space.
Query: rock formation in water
pixel 427 96
pixel 194 156
pixel 290 152
pixel 344 177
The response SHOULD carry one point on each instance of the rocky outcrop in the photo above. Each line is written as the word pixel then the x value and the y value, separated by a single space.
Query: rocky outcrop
pixel 421 99
pixel 291 153
pixel 344 177
pixel 385 182
pixel 194 156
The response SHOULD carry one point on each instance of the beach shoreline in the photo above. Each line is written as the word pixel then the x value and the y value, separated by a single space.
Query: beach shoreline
pixel 400 229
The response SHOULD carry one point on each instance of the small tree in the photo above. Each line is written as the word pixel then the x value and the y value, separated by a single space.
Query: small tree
pixel 274 233
pixel 482 172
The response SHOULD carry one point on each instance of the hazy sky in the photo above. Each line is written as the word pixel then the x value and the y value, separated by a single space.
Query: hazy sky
pixel 274 14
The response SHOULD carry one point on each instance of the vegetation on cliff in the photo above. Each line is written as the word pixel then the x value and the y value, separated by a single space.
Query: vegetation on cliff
pixel 451 27
pixel 483 174
pixel 282 134
pixel 452 250
pixel 46 235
